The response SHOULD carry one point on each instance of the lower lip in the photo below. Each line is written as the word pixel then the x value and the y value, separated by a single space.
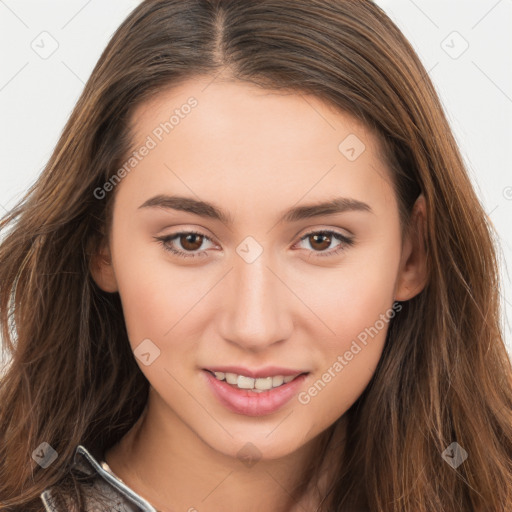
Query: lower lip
pixel 243 401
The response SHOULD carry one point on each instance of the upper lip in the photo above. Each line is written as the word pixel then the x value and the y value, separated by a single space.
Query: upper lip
pixel 267 371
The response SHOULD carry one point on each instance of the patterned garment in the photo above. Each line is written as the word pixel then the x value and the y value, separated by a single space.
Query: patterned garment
pixel 107 492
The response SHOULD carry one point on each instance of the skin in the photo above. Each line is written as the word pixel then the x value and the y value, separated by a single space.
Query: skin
pixel 254 153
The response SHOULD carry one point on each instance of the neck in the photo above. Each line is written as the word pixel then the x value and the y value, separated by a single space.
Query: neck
pixel 166 463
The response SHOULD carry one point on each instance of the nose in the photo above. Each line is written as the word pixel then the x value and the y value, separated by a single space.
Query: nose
pixel 256 306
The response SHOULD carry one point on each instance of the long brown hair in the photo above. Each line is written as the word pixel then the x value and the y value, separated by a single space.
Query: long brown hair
pixel 444 376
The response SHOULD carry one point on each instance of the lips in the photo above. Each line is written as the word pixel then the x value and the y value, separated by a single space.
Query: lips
pixel 248 402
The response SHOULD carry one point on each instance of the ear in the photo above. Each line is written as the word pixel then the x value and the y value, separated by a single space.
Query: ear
pixel 102 270
pixel 413 273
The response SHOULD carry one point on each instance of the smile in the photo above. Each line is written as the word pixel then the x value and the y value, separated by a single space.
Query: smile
pixel 253 396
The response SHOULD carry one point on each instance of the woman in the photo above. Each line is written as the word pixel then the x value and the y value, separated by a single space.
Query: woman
pixel 179 340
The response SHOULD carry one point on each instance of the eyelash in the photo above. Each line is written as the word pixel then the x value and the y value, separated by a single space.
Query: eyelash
pixel 164 241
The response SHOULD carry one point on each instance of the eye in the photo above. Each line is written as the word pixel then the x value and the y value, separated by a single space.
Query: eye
pixel 192 241
pixel 189 240
pixel 323 239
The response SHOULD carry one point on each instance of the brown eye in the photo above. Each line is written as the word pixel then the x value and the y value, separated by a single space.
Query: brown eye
pixel 191 241
pixel 322 240
pixel 186 244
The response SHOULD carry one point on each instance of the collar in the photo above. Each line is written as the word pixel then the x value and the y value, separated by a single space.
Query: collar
pixel 106 483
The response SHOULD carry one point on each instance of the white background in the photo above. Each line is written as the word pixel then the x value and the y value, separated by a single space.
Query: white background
pixel 37 94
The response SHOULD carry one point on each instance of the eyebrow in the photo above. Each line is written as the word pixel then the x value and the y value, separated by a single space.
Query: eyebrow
pixel 297 213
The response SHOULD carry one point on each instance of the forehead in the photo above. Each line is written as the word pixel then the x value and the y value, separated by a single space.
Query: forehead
pixel 249 143
pixel 284 118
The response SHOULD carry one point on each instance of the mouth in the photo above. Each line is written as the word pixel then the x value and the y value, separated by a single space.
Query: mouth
pixel 254 384
pixel 254 396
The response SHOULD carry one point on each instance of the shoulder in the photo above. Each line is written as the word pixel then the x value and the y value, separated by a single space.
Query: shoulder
pixel 100 489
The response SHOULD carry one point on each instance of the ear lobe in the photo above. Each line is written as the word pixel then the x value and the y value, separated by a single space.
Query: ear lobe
pixel 102 270
pixel 413 274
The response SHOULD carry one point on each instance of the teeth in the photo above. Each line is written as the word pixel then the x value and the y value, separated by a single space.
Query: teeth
pixel 231 378
pixel 257 385
pixel 245 382
pixel 277 380
pixel 263 384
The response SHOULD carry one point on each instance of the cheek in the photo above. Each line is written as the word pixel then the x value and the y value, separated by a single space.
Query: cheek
pixel 160 305
pixel 349 359
pixel 157 298
pixel 358 308
pixel 352 296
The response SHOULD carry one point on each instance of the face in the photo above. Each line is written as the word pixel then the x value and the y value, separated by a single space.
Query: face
pixel 260 278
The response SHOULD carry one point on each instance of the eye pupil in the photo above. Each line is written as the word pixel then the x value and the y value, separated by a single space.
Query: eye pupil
pixel 191 246
pixel 324 236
